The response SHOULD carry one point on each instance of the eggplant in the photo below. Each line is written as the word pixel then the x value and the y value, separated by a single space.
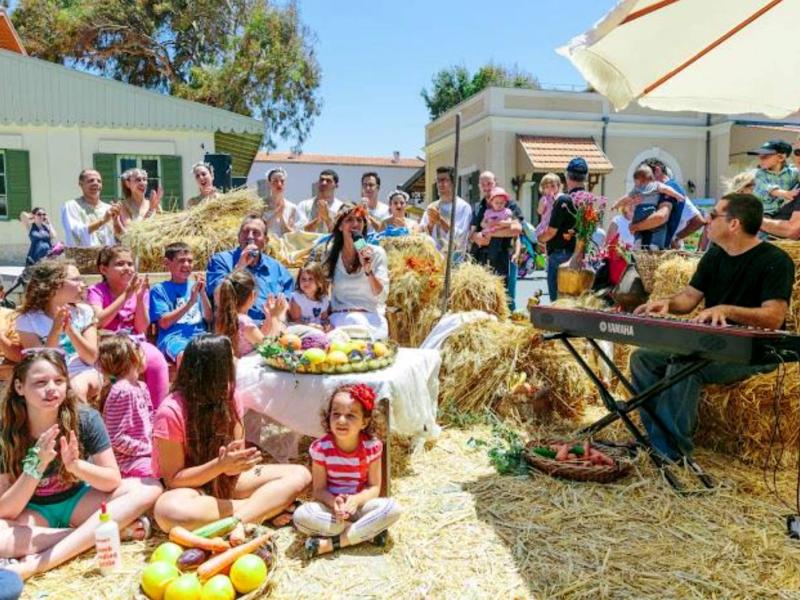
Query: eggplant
pixel 191 559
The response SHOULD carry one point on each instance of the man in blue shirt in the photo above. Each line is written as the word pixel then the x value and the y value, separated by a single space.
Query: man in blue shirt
pixel 272 278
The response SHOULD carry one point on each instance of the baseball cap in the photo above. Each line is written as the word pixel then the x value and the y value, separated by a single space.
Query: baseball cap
pixel 772 147
pixel 578 166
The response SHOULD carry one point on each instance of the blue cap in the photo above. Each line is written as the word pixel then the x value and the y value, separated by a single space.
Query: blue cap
pixel 772 147
pixel 578 166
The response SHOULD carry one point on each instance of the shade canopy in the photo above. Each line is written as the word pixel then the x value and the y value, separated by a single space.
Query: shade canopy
pixel 715 56
pixel 547 153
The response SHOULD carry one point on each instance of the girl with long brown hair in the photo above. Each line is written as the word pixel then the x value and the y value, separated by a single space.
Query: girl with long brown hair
pixel 236 294
pixel 53 315
pixel 200 453
pixel 122 303
pixel 56 468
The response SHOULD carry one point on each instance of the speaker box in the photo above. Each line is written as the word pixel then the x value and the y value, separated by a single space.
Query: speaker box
pixel 221 164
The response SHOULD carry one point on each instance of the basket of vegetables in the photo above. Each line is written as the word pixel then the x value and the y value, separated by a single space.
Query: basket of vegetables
pixel 578 461
pixel 317 353
pixel 209 562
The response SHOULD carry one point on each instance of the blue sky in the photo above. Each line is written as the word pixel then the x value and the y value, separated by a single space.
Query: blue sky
pixel 377 55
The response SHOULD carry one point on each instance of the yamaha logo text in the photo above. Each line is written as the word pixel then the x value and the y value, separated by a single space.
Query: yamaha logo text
pixel 617 328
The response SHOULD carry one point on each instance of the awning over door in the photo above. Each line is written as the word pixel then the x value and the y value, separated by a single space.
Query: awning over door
pixel 547 154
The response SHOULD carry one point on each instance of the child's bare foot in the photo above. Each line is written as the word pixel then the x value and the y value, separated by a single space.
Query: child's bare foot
pixel 238 535
pixel 285 518
pixel 138 531
pixel 24 567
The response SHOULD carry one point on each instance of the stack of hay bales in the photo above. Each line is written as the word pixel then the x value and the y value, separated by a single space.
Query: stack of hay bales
pixel 207 228
pixel 754 419
pixel 416 276
pixel 484 361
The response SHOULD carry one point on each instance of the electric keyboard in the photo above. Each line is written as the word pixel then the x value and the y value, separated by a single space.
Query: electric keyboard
pixel 730 343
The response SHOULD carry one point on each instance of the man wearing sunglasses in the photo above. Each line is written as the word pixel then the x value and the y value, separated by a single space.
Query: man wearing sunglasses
pixel 743 281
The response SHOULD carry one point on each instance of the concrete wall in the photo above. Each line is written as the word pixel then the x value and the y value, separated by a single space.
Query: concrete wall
pixel 302 177
pixel 57 155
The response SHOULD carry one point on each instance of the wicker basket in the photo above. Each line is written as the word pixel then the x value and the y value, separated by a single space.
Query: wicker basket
pixel 647 262
pixel 574 282
pixel 579 471
pixel 84 258
pixel 288 362
pixel 260 592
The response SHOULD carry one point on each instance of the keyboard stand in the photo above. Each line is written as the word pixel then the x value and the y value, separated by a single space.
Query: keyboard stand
pixel 619 409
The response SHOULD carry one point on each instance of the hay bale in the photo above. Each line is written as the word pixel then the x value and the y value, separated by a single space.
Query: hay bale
pixel 416 278
pixel 672 275
pixel 475 287
pixel 207 228
pixel 739 419
pixel 483 361
pixel 792 248
pixel 648 261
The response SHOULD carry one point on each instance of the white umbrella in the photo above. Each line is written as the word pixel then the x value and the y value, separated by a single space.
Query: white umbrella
pixel 716 56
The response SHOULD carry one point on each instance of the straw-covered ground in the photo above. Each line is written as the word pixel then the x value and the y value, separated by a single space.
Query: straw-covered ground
pixel 468 532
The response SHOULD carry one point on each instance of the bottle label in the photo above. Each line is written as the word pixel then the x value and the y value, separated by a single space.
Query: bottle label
pixel 108 556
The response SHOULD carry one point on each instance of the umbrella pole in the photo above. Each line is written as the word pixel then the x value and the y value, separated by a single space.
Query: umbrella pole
pixel 456 190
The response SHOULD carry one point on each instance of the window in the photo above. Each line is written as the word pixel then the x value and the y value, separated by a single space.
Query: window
pixel 3 196
pixel 151 164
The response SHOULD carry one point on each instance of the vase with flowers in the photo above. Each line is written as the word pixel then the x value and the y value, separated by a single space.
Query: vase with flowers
pixel 575 276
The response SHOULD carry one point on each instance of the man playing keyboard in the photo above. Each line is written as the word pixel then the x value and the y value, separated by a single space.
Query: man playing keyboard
pixel 744 281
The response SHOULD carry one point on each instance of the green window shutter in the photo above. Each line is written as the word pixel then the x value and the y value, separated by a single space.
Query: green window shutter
pixel 474 188
pixel 106 165
pixel 18 182
pixel 172 182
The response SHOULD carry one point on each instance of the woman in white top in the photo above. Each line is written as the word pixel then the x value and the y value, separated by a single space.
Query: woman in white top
pixel 360 277
pixel 135 206
pixel 621 224
pixel 282 216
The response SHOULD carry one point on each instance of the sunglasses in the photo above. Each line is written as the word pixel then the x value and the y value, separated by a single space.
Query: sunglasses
pixel 40 214
pixel 42 351
pixel 713 214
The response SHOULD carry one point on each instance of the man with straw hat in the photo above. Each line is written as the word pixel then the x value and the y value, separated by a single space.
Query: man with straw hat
pixel 744 281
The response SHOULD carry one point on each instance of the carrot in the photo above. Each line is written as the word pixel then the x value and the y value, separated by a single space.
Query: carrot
pixel 562 452
pixel 218 563
pixel 587 449
pixel 187 539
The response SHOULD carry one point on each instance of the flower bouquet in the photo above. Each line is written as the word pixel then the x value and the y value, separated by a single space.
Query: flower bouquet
pixel 574 276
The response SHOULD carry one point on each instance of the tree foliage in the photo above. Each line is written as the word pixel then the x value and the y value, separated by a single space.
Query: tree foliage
pixel 455 84
pixel 247 56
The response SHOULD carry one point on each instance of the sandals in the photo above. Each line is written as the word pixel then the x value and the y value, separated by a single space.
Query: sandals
pixel 381 539
pixel 129 533
pixel 311 545
pixel 275 522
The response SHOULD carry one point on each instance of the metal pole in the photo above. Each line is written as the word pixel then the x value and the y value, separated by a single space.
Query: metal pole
pixel 456 192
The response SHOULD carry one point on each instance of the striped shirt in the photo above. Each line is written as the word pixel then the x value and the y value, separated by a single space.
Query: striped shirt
pixel 347 471
pixel 128 415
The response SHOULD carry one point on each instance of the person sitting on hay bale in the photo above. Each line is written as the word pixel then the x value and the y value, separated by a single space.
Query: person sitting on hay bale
pixel 359 274
pixel 398 224
pixel 57 467
pixel 282 216
pixel 346 478
pixel 179 307
pixel 743 281
pixel 786 222
pixel 272 278
pixel 204 176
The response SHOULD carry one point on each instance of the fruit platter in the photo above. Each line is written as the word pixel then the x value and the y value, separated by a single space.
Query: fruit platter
pixel 207 564
pixel 320 353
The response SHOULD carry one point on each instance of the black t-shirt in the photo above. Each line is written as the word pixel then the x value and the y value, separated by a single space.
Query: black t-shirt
pixel 765 272
pixel 785 212
pixel 562 220
pixel 497 245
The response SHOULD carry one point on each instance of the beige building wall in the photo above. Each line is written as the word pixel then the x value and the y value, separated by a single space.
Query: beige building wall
pixel 57 155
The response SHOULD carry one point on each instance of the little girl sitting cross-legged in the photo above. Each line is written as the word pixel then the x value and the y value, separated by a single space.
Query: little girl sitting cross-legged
pixel 346 478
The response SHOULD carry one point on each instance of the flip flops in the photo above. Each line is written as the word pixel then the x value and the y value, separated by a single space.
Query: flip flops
pixel 129 533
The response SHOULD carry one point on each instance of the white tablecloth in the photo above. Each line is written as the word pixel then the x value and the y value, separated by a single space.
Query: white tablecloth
pixel 295 400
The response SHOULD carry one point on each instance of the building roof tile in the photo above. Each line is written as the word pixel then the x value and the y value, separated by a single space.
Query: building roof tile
pixel 547 153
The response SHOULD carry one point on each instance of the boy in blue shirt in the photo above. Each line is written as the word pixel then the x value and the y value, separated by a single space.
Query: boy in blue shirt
pixel 179 307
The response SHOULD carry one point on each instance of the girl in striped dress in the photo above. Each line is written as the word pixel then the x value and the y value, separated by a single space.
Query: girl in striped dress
pixel 126 406
pixel 346 478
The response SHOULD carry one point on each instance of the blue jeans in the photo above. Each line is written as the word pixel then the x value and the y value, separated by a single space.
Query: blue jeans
pixel 677 406
pixel 651 237
pixel 511 285
pixel 10 585
pixel 553 260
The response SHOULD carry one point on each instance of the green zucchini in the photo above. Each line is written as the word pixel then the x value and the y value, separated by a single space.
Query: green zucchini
pixel 217 528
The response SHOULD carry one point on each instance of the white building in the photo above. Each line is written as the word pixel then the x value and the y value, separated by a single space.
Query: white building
pixel 522 134
pixel 303 171
pixel 56 121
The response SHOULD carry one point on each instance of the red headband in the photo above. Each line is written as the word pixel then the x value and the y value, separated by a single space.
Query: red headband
pixel 364 395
